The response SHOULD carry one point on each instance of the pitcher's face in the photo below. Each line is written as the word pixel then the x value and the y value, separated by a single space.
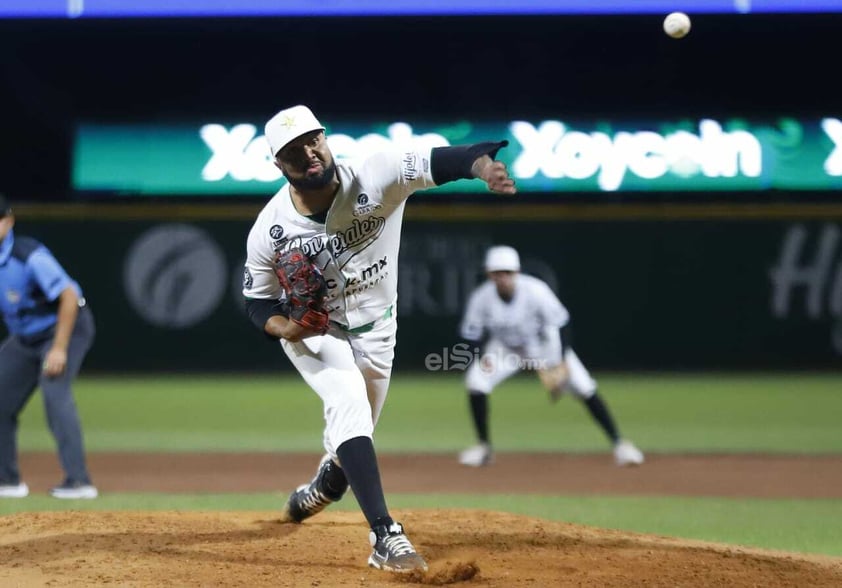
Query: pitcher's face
pixel 307 162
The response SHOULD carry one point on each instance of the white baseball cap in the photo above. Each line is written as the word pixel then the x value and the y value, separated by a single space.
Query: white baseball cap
pixel 502 258
pixel 289 124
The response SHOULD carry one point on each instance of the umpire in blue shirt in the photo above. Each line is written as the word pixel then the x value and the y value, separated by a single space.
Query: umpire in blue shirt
pixel 50 330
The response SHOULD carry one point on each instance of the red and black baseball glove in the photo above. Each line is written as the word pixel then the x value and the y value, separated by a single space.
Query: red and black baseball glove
pixel 305 288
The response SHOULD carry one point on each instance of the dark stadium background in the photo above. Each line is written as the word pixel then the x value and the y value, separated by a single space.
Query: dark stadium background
pixel 56 72
pixel 662 290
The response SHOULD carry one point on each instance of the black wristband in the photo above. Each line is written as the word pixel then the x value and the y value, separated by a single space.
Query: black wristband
pixel 260 310
pixel 454 163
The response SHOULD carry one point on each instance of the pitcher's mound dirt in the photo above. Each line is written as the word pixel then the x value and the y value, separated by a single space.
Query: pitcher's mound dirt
pixel 467 547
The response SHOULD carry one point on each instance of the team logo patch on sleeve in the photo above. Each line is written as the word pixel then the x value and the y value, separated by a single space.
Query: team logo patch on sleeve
pixel 365 205
pixel 276 231
pixel 248 279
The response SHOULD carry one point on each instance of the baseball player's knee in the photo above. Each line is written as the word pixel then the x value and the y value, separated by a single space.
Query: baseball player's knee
pixel 477 388
pixel 348 420
pixel 340 436
pixel 583 392
pixel 477 384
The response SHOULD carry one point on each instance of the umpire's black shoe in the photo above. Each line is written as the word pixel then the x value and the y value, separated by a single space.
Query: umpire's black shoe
pixel 329 485
pixel 392 551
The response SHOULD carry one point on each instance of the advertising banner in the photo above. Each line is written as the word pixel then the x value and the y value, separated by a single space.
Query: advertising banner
pixel 552 156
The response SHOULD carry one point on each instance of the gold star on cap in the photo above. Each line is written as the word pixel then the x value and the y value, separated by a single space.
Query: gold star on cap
pixel 289 121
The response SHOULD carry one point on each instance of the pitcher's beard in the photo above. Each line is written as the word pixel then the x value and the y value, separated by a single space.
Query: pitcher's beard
pixel 314 182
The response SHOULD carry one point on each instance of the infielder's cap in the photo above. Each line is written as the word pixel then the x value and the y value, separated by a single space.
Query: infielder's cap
pixel 502 258
pixel 290 124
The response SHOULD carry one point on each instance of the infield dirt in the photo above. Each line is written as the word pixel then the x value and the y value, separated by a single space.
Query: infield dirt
pixel 468 547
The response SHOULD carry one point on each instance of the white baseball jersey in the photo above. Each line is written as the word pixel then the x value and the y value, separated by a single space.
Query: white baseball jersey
pixel 357 250
pixel 523 322
pixel 522 333
pixel 357 247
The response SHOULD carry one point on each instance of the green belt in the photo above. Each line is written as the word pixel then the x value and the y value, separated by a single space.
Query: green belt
pixel 366 327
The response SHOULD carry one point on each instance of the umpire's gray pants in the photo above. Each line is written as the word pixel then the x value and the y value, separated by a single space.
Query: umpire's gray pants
pixel 20 374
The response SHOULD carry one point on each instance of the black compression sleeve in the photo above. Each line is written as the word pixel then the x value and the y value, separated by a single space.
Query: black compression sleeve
pixel 566 337
pixel 259 311
pixel 454 163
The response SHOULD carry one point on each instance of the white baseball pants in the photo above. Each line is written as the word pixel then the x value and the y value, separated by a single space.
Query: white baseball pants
pixel 351 374
pixel 499 362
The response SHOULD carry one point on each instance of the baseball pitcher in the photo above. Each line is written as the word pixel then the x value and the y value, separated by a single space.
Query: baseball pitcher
pixel 321 276
pixel 524 326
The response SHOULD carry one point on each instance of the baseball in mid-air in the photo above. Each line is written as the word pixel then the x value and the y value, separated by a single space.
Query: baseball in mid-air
pixel 677 25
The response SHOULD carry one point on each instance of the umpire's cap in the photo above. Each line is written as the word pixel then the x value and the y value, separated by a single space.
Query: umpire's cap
pixel 502 258
pixel 5 208
pixel 289 124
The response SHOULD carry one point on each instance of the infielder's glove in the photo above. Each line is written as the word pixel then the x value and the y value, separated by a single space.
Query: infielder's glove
pixel 554 379
pixel 305 288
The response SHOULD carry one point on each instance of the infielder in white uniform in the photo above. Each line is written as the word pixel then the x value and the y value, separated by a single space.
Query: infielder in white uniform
pixel 523 323
pixel 347 218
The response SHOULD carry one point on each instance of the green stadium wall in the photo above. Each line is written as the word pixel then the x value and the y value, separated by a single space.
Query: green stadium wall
pixel 644 294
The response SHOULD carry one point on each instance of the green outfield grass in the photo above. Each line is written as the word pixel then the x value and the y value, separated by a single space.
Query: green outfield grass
pixel 788 413
pixel 769 413
pixel 789 525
